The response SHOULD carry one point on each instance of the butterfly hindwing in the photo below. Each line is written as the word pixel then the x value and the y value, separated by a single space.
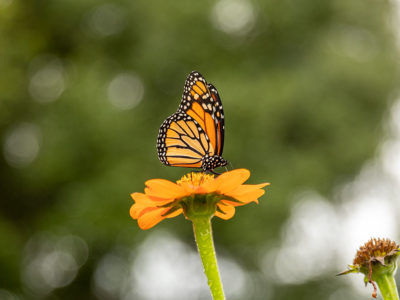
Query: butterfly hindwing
pixel 182 142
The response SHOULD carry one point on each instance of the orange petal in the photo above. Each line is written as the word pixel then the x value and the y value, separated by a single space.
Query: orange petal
pixel 138 210
pixel 231 180
pixel 246 198
pixel 141 203
pixel 159 201
pixel 246 188
pixel 247 193
pixel 193 189
pixel 187 187
pixel 162 188
pixel 142 199
pixel 210 185
pixel 151 218
pixel 175 213
pixel 135 211
pixel 201 190
pixel 232 203
pixel 225 212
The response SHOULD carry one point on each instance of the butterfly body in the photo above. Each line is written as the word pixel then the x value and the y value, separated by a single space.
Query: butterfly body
pixel 194 136
pixel 212 162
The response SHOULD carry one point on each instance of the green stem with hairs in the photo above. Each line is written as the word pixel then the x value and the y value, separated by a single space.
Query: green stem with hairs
pixel 203 234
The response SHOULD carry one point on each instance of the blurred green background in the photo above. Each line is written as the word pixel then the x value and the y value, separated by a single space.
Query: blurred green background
pixel 307 88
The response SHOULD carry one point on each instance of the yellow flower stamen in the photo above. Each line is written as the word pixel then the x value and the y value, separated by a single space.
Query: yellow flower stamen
pixel 195 178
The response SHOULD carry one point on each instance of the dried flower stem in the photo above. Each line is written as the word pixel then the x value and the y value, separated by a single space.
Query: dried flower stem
pixel 203 234
pixel 374 294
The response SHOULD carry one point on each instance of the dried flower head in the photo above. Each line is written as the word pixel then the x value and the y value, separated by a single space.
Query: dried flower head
pixel 375 258
pixel 375 250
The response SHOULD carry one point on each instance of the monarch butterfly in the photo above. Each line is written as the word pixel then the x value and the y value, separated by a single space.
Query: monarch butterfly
pixel 194 136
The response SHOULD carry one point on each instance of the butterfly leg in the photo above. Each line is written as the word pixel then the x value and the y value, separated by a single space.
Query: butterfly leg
pixel 212 171
pixel 196 171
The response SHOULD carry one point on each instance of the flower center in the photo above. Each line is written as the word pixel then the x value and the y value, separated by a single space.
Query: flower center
pixel 195 178
pixel 373 249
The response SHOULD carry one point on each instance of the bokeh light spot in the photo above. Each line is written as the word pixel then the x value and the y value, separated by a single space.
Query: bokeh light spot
pixel 58 269
pixel 21 145
pixel 235 17
pixel 47 81
pixel 107 19
pixel 110 274
pixel 303 253
pixel 125 91
pixel 5 3
pixel 76 246
pixel 163 265
pixel 7 295
pixel 357 43
pixel 52 262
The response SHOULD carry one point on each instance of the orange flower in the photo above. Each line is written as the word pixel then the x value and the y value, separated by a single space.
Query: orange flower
pixel 165 199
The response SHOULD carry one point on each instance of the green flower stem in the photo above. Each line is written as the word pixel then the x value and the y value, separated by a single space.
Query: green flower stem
pixel 387 286
pixel 203 234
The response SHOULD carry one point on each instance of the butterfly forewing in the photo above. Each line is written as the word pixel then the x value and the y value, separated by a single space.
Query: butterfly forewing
pixel 219 118
pixel 202 102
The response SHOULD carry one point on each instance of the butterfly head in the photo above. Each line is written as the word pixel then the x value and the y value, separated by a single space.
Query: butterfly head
pixel 212 162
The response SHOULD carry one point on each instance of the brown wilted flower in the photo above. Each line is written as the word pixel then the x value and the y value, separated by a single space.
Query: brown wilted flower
pixel 375 250
pixel 375 258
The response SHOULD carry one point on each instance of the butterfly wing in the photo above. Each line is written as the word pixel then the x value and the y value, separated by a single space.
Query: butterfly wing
pixel 196 129
pixel 201 101
pixel 219 119
pixel 182 142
